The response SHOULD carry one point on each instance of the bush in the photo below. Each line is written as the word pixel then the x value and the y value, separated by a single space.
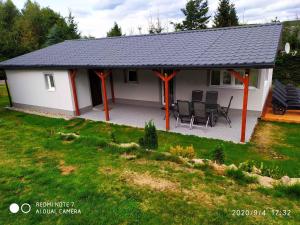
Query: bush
pixel 113 137
pixel 239 176
pixel 150 140
pixel 219 155
pixel 164 157
pixel 271 171
pixel 247 166
pixel 187 152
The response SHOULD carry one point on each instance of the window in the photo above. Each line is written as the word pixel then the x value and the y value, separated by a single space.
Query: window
pixel 50 85
pixel 225 79
pixel 132 76
pixel 215 77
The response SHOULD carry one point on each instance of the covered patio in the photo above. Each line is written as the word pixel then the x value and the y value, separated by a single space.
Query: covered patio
pixel 137 115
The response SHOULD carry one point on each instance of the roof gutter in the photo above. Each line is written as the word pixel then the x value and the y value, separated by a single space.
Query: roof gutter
pixel 182 67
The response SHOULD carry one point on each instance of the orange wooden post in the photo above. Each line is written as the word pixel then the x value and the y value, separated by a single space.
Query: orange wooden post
pixel 166 80
pixel 167 104
pixel 245 105
pixel 72 74
pixel 111 80
pixel 102 76
pixel 245 81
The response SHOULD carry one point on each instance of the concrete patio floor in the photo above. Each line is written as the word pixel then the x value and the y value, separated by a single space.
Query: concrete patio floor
pixel 136 116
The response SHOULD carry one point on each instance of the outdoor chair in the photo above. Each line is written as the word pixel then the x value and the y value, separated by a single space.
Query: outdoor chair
pixel 199 116
pixel 197 95
pixel 211 104
pixel 211 99
pixel 225 110
pixel 184 114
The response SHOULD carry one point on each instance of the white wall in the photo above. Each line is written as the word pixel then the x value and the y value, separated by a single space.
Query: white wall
pixel 83 89
pixel 189 80
pixel 29 87
pixel 147 88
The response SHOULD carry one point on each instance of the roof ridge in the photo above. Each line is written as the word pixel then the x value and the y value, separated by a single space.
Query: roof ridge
pixel 180 32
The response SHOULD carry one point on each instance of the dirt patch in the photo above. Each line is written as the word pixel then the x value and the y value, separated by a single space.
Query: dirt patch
pixel 146 180
pixel 267 135
pixel 66 170
pixel 107 170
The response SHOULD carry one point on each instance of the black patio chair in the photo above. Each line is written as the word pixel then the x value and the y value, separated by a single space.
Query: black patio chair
pixel 211 104
pixel 184 113
pixel 197 95
pixel 225 110
pixel 199 116
pixel 211 100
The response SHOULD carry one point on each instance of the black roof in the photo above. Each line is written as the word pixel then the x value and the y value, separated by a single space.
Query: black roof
pixel 241 46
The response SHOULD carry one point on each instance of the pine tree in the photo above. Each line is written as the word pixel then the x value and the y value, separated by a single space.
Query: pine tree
pixel 115 31
pixel 234 20
pixel 226 15
pixel 73 32
pixel 195 16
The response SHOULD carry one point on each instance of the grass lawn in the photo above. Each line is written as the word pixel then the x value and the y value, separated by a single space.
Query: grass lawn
pixel 36 165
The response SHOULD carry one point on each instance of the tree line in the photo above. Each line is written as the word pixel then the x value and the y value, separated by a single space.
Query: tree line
pixel 196 17
pixel 31 28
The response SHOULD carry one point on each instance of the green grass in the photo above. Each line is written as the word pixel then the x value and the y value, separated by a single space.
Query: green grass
pixel 109 189
pixel 240 177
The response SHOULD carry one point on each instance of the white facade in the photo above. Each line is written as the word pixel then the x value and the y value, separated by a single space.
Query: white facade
pixel 148 88
pixel 28 89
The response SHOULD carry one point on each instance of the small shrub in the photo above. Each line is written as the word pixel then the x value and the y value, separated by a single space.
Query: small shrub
pixel 219 155
pixel 205 166
pixel 141 142
pixel 163 157
pixel 239 176
pixel 113 137
pixel 271 171
pixel 150 140
pixel 247 166
pixel 187 152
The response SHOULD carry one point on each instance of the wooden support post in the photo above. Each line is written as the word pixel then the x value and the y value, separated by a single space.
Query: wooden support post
pixel 103 76
pixel 166 80
pixel 111 80
pixel 167 104
pixel 245 81
pixel 72 74
pixel 245 106
pixel 8 92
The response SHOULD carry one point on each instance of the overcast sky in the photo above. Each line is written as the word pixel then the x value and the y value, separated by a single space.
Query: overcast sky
pixel 96 17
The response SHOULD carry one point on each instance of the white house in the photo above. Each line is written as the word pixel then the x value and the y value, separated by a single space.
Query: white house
pixel 135 72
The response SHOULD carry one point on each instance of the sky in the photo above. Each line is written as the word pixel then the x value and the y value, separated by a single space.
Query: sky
pixel 96 17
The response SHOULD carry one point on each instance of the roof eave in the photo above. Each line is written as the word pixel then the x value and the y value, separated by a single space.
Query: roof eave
pixel 212 66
